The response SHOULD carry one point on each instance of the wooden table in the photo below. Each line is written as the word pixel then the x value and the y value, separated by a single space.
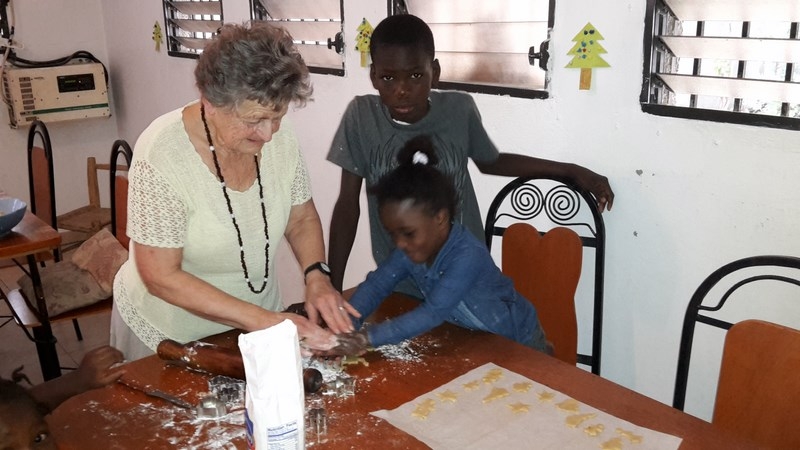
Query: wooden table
pixel 29 237
pixel 114 415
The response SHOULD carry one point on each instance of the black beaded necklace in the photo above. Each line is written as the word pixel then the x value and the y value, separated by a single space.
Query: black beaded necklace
pixel 233 216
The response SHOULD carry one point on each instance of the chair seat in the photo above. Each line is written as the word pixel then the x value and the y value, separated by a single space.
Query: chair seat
pixel 28 318
pixel 87 219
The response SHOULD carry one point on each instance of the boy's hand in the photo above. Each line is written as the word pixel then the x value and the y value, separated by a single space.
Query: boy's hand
pixel 98 369
pixel 598 186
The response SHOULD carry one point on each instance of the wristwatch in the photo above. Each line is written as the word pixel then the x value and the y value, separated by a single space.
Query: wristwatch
pixel 319 265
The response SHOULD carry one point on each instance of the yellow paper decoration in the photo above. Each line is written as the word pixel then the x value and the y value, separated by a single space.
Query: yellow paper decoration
pixel 363 37
pixel 157 36
pixel 586 54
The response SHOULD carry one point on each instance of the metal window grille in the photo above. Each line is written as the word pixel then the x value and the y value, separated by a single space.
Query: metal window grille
pixel 315 25
pixel 488 46
pixel 190 25
pixel 723 60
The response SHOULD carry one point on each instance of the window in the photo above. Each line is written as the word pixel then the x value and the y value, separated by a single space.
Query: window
pixel 732 61
pixel 488 46
pixel 315 25
pixel 190 25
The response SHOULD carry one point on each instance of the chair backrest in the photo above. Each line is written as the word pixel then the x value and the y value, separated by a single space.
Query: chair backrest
pixel 545 270
pixel 759 389
pixel 119 190
pixel 731 277
pixel 548 203
pixel 41 181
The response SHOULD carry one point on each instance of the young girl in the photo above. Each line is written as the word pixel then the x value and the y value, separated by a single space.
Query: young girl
pixel 455 273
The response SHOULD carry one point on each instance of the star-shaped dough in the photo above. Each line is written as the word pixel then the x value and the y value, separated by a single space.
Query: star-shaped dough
pixel 594 430
pixel 576 420
pixel 497 393
pixel 423 409
pixel 629 435
pixel 612 444
pixel 546 396
pixel 448 396
pixel 472 385
pixel 570 405
pixel 522 387
pixel 420 413
pixel 492 376
pixel 519 408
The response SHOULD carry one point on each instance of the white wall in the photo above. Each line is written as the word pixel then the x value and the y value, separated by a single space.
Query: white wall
pixel 690 196
pixel 51 30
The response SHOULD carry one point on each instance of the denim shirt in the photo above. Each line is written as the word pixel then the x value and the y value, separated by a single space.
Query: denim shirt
pixel 463 287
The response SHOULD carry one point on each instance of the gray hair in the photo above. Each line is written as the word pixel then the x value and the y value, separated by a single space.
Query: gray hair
pixel 253 61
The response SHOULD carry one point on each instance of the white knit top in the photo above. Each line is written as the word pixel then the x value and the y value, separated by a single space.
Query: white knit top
pixel 175 201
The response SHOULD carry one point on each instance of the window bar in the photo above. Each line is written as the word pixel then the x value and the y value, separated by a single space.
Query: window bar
pixel 697 62
pixel 737 102
pixel 793 34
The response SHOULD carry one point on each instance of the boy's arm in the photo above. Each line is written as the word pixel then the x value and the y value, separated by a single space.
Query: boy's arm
pixel 344 223
pixel 511 165
pixel 94 371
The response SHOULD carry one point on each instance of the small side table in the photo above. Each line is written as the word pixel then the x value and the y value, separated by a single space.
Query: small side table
pixel 30 237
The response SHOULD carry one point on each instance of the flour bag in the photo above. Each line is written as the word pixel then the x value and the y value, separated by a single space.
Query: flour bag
pixel 274 398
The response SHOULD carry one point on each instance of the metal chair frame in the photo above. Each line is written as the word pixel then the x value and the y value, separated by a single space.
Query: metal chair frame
pixel 561 204
pixel 695 309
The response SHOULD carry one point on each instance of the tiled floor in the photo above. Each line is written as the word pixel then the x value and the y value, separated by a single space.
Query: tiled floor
pixel 17 350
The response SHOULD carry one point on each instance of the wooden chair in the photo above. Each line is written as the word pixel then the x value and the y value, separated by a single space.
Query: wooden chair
pixel 23 311
pixel 721 285
pixel 82 222
pixel 549 204
pixel 546 269
pixel 759 390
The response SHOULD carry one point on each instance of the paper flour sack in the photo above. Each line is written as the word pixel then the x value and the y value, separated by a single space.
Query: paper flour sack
pixel 274 397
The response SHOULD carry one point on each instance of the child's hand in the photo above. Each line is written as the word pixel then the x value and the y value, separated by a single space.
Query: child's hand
pixel 350 344
pixel 599 187
pixel 98 369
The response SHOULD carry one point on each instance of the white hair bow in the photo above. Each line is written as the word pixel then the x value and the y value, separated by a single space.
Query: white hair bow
pixel 420 158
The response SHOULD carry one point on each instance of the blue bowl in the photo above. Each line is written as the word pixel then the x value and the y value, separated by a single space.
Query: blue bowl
pixel 11 212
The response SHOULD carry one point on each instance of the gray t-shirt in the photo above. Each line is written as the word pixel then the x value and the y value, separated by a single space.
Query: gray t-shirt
pixel 368 140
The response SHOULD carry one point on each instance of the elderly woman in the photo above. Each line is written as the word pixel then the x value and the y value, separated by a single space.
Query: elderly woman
pixel 213 187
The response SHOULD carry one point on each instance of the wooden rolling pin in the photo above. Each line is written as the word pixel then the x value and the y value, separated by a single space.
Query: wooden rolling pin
pixel 218 360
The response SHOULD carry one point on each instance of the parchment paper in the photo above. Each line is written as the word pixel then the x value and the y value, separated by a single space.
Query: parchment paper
pixel 492 407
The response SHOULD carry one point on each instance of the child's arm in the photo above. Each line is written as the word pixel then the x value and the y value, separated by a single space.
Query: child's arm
pixel 344 224
pixel 94 371
pixel 508 164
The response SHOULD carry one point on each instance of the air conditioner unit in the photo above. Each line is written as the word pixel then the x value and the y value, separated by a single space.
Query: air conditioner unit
pixel 51 94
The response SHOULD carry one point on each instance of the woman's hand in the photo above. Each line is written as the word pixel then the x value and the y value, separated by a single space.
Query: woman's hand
pixel 322 299
pixel 311 335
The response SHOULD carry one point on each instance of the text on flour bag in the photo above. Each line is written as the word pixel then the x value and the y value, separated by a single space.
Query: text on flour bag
pixel 274 398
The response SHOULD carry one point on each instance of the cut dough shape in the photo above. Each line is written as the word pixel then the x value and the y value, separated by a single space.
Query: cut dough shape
pixel 497 393
pixel 519 408
pixel 569 405
pixel 629 435
pixel 492 376
pixel 522 387
pixel 546 396
pixel 612 444
pixel 576 420
pixel 448 396
pixel 472 385
pixel 594 430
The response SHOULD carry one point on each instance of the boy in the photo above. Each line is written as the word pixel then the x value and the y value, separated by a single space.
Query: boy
pixel 374 128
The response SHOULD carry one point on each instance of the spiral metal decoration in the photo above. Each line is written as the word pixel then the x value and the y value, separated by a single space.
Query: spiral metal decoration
pixel 527 201
pixel 562 204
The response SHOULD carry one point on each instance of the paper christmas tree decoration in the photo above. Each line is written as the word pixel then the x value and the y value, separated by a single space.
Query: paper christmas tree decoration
pixel 586 54
pixel 158 38
pixel 363 36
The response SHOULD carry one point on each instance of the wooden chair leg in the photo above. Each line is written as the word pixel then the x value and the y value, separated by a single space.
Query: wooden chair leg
pixel 77 327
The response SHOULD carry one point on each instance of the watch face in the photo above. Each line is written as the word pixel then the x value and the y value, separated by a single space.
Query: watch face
pixel 325 267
